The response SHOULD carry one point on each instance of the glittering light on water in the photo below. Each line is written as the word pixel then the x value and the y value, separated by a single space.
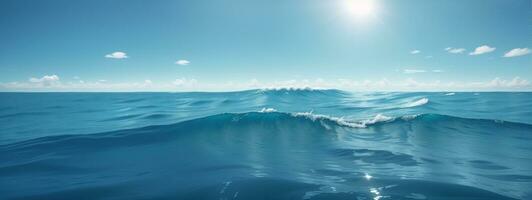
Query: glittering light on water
pixel 367 176
pixel 376 192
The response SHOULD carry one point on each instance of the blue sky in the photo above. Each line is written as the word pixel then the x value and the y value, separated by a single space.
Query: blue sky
pixel 188 45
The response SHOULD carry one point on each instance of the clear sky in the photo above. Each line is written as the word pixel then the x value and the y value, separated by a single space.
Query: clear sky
pixel 206 45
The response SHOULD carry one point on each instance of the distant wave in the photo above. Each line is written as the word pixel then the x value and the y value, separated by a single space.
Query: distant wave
pixel 267 110
pixel 450 94
pixel 290 89
pixel 296 90
pixel 416 103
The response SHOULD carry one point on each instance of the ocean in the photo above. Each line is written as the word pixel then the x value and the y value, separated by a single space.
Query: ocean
pixel 266 144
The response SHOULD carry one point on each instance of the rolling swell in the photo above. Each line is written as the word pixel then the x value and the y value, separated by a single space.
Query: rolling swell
pixel 269 116
pixel 165 133
pixel 289 155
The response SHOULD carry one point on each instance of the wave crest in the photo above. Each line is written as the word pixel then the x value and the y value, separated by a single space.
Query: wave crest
pixel 343 122
pixel 416 103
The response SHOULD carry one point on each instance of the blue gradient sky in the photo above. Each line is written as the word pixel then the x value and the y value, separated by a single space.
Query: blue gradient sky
pixel 241 44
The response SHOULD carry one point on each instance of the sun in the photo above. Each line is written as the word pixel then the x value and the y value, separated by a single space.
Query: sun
pixel 360 9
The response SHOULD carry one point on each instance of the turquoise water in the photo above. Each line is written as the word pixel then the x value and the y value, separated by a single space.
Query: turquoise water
pixel 266 144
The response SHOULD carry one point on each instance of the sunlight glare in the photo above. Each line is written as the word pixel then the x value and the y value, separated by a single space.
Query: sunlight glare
pixel 360 8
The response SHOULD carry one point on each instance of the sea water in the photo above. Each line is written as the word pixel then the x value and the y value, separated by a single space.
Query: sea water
pixel 266 144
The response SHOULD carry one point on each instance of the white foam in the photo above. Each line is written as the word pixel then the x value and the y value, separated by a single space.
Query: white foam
pixel 409 117
pixel 418 102
pixel 339 120
pixel 450 94
pixel 343 122
pixel 378 118
pixel 267 110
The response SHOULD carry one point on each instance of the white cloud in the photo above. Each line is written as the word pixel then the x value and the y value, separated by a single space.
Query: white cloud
pixel 185 82
pixel 47 80
pixel 52 83
pixel 409 84
pixel 413 71
pixel 455 50
pixel 517 52
pixel 515 82
pixel 117 55
pixel 482 50
pixel 415 51
pixel 182 62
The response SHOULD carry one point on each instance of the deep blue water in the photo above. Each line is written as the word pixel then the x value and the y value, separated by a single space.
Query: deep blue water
pixel 266 144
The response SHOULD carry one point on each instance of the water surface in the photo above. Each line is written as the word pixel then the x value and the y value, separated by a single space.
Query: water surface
pixel 266 144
